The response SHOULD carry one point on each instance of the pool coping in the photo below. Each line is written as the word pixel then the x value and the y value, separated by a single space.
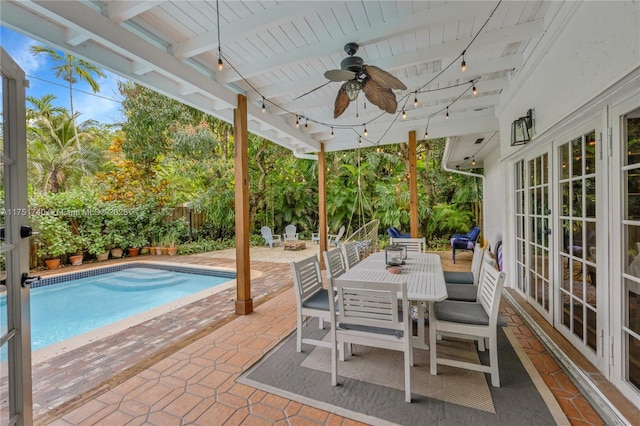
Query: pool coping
pixel 59 348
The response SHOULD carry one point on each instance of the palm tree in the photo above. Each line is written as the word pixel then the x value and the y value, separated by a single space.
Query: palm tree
pixel 70 69
pixel 43 107
pixel 56 154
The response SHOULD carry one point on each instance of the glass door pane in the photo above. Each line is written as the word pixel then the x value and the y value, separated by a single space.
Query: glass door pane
pixel 577 256
pixel 631 250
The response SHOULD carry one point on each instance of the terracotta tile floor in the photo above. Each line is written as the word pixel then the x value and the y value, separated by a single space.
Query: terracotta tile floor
pixel 190 377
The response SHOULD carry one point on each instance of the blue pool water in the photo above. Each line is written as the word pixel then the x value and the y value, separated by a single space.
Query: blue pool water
pixel 70 308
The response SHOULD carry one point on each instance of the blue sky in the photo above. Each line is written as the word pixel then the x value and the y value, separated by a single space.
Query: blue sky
pixel 103 108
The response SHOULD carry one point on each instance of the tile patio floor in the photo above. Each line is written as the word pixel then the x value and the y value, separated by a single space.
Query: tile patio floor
pixel 181 368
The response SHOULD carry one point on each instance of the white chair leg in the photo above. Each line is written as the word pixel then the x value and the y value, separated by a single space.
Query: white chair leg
pixel 481 346
pixel 343 349
pixel 432 347
pixel 321 323
pixel 407 377
pixel 334 362
pixel 493 359
pixel 299 334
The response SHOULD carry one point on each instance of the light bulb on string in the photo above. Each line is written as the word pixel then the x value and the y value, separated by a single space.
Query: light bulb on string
pixel 365 130
pixel 306 123
pixel 404 115
pixel 219 63
pixel 473 161
pixel 447 114
pixel 297 121
pixel 332 132
pixel 463 65
pixel 415 100
pixel 474 90
pixel 264 108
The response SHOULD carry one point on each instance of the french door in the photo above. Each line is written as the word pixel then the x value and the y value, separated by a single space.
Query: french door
pixel 533 231
pixel 625 129
pixel 15 336
pixel 581 302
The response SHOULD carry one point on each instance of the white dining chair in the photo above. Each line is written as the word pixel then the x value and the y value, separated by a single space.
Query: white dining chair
pixel 418 245
pixel 477 321
pixel 467 277
pixel 334 262
pixel 311 298
pixel 351 254
pixel 371 314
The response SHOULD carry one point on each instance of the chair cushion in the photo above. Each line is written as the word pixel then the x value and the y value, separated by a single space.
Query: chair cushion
pixel 458 277
pixel 319 301
pixel 462 243
pixel 464 313
pixel 462 292
pixel 369 329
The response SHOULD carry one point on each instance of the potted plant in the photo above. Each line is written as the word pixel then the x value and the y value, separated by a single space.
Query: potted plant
pixel 135 241
pixel 54 238
pixel 116 227
pixel 97 245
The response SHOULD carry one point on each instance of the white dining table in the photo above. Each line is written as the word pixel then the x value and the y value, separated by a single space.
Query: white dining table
pixel 422 273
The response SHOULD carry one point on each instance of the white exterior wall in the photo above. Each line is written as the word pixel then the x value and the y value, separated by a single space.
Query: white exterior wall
pixel 494 198
pixel 594 44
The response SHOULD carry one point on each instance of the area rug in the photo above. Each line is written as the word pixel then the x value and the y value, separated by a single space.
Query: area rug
pixel 371 385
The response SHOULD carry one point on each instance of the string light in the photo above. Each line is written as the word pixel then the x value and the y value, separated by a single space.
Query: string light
pixel 404 115
pixel 306 123
pixel 473 161
pixel 264 108
pixel 365 130
pixel 219 45
pixel 426 130
pixel 415 100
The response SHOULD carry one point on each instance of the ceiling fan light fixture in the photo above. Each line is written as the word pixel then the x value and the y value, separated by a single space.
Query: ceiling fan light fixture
pixel 352 88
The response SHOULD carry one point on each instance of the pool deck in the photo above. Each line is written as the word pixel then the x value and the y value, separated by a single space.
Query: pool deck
pixel 181 367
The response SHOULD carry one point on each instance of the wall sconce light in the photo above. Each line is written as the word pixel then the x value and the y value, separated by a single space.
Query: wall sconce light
pixel 521 129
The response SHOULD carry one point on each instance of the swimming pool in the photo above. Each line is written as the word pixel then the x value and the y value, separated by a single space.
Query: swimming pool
pixel 66 306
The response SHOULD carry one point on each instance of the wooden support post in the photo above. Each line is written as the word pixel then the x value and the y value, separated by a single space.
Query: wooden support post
pixel 413 184
pixel 322 202
pixel 244 303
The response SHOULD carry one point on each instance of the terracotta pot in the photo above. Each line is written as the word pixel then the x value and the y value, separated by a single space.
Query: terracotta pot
pixel 116 252
pixel 76 260
pixel 134 251
pixel 165 250
pixel 159 250
pixel 145 250
pixel 172 251
pixel 103 256
pixel 52 263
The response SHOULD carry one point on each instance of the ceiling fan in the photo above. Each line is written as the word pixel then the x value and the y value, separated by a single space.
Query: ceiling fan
pixel 376 83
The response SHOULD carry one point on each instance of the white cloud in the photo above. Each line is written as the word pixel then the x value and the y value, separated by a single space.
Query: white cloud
pixel 22 55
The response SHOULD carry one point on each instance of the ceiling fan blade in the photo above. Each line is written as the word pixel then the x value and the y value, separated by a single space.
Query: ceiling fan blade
pixel 312 90
pixel 342 102
pixel 383 78
pixel 339 75
pixel 380 96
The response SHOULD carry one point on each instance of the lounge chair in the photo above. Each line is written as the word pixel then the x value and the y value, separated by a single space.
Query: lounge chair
pixel 464 241
pixel 269 238
pixel 394 232
pixel 290 233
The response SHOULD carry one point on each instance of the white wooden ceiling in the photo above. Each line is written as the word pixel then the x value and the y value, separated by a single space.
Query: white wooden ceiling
pixel 279 50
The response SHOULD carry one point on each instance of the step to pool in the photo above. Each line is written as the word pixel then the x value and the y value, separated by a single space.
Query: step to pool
pixel 141 278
